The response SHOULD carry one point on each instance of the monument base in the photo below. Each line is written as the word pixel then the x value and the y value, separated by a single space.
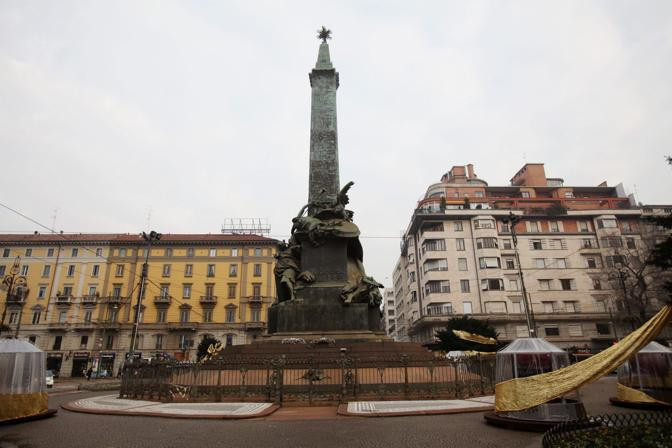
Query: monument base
pixel 340 337
pixel 319 310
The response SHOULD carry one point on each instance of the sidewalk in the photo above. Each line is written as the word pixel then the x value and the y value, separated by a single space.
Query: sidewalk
pixel 70 384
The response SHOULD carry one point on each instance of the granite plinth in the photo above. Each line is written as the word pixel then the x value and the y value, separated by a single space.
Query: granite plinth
pixel 320 309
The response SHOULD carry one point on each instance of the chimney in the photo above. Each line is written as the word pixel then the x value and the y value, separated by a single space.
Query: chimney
pixel 470 171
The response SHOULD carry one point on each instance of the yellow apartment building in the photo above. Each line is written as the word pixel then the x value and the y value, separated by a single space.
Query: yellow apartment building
pixel 82 294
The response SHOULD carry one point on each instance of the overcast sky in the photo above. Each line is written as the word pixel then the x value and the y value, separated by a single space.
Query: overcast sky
pixel 200 111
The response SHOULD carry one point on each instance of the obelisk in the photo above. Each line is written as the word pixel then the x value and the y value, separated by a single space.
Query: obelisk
pixel 323 177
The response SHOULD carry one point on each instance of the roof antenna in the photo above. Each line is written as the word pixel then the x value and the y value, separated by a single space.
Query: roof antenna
pixel 149 216
pixel 53 220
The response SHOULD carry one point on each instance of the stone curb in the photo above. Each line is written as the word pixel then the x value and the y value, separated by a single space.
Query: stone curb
pixel 266 412
pixel 343 410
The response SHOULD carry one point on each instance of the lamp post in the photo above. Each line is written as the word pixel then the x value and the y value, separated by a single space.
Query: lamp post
pixel 149 238
pixel 16 292
pixel 529 312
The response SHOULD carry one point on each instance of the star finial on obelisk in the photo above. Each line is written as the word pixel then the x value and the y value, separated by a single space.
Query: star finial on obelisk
pixel 324 34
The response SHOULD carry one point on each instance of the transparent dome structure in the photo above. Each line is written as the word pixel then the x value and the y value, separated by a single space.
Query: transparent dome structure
pixel 649 371
pixel 533 356
pixel 22 380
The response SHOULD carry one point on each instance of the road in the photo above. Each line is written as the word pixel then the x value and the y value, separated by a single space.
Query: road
pixel 288 427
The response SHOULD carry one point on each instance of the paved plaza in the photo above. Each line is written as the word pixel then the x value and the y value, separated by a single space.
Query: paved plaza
pixel 288 427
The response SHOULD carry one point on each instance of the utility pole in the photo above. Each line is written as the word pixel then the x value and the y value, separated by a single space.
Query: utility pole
pixel 149 238
pixel 16 291
pixel 529 312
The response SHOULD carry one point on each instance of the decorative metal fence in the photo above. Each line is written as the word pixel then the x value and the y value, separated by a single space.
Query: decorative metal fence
pixel 310 379
pixel 613 430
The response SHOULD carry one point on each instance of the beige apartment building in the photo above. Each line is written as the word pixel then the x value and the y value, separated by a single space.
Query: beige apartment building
pixel 82 294
pixel 458 257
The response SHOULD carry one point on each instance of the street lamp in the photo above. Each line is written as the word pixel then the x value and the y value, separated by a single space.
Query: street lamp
pixel 529 313
pixel 16 292
pixel 149 238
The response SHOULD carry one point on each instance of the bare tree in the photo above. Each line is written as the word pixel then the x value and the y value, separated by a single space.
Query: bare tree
pixel 638 283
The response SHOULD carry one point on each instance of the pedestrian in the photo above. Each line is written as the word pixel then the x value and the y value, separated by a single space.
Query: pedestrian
pixel 88 373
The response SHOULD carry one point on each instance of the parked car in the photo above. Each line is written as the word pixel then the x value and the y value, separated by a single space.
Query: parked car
pixel 50 378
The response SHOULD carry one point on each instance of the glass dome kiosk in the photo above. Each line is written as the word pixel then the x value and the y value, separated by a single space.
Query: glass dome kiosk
pixel 527 357
pixel 23 393
pixel 645 380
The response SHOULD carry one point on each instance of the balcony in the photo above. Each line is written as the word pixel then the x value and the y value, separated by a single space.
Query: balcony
pixel 16 299
pixel 255 299
pixel 255 326
pixel 57 326
pixel 182 326
pixel 64 299
pixel 439 310
pixel 84 326
pixel 208 300
pixel 90 299
pixel 162 300
pixel 112 300
pixel 109 326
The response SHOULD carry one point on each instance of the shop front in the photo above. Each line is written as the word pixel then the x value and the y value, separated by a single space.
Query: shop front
pixel 80 363
pixel 54 361
pixel 106 365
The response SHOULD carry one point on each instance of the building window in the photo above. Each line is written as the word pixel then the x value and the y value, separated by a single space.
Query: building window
pixel 553 226
pixel 630 243
pixel 255 314
pixel 29 252
pixel 606 223
pixel 524 194
pixel 506 228
pixel 466 308
pixel 74 252
pixel 57 343
pixel 213 252
pixel 611 241
pixel 549 307
pixel 552 330
pixel 464 286
pixel 24 270
pixel 560 263
pixel 233 270
pixel 88 315
pixel 113 315
pixel 603 329
pixel 571 307
pixel 487 243
pixel 41 292
pixel 257 252
pixel 95 270
pixel 489 262
pixel 513 284
pixel 234 252
pixel 122 252
pixel 207 316
pixel 120 270
pixel 495 307
pixel 36 317
pixel 597 284
pixel 230 315
pixel 231 291
pixel 186 291
pixel 535 245
pixel 2 270
pixel 440 286
pixel 457 226
pixel 540 263
pixel 109 342
pixel 567 284
pixel 257 270
pixel 591 263
pixel 209 290
pixel 188 270
pixel 433 245
pixel 626 226
pixel 256 290
pixel 510 263
pixel 158 341
pixel 166 270
pixel 99 252
pixel 5 253
pixel 484 224
pixel 211 270
pixel 92 290
pixel 545 284
pixel 161 316
pixel 165 291
pixel 506 244
pixel 50 252
pixel 190 252
pixel 615 260
pixel 583 227
pixel 435 265
pixel 462 264
pixel 515 308
pixel 46 270
pixel 169 252
pixel 184 315
pixel 459 244
pixel 534 226
pixel 492 284
pixel 575 330
pixel 83 341
pixel 62 317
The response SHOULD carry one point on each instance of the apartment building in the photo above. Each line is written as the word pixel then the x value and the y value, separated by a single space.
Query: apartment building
pixel 458 257
pixel 82 294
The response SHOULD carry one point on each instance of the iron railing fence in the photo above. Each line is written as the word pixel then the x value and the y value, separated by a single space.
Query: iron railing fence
pixel 612 429
pixel 309 379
